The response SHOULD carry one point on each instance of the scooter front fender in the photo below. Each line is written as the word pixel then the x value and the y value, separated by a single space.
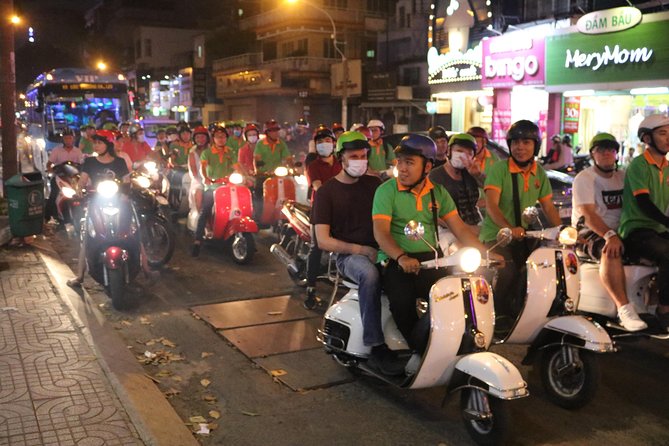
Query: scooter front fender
pixel 590 334
pixel 493 374
pixel 114 257
pixel 243 224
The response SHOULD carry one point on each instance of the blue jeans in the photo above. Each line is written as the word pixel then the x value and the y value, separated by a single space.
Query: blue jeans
pixel 362 271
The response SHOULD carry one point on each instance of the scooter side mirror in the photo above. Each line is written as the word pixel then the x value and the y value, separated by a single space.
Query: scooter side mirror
pixel 530 215
pixel 504 237
pixel 414 230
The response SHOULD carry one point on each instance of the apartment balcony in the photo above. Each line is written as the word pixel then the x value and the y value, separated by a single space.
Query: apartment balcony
pixel 254 61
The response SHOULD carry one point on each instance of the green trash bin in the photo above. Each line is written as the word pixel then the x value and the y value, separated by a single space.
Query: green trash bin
pixel 25 194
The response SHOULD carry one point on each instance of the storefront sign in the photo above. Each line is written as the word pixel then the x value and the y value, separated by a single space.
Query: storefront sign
pixel 571 114
pixel 515 59
pixel 609 20
pixel 639 53
pixel 454 66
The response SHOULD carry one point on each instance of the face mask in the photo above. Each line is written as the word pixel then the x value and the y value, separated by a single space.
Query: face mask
pixel 172 138
pixel 140 138
pixel 324 148
pixel 356 168
pixel 237 133
pixel 460 160
pixel 252 139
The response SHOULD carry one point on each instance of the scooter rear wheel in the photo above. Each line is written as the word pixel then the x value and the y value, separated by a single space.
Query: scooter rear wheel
pixel 242 247
pixel 486 418
pixel 570 377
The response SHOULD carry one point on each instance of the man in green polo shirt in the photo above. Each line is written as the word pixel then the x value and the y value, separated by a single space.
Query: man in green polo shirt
pixel 86 139
pixel 412 196
pixel 216 162
pixel 644 221
pixel 504 211
pixel 268 154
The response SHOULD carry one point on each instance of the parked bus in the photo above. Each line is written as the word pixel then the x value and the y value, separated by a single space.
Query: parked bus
pixel 72 97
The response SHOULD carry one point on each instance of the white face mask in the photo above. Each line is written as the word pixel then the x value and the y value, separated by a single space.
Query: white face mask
pixel 356 168
pixel 140 138
pixel 252 139
pixel 324 149
pixel 460 160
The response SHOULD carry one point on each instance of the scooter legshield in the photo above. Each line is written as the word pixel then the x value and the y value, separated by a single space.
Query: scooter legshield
pixel 276 190
pixel 501 376
pixel 231 202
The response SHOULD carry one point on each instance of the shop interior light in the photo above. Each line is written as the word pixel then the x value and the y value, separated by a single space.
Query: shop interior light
pixel 649 90
pixel 569 93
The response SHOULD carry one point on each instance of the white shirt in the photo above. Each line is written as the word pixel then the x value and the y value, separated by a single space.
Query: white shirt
pixel 61 155
pixel 605 193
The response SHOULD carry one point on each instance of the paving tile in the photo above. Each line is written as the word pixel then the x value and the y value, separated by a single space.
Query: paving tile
pixel 13 383
pixel 17 418
pixel 30 439
pixel 7 339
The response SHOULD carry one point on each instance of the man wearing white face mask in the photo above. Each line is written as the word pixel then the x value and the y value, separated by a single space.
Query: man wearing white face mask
pixel 319 171
pixel 459 183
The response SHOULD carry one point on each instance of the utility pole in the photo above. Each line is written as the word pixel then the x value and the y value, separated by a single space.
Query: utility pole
pixel 7 92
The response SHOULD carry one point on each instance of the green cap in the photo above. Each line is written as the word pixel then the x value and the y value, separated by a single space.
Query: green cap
pixel 604 140
pixel 463 139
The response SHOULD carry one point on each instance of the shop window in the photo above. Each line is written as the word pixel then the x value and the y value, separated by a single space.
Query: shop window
pixel 302 47
pixel 328 49
pixel 269 51
pixel 374 5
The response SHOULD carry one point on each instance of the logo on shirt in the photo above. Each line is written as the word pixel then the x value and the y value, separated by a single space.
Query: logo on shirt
pixel 537 183
pixel 613 199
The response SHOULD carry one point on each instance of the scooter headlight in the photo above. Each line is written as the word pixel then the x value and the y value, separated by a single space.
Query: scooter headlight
pixel 281 171
pixel 107 188
pixel 68 192
pixel 151 167
pixel 470 259
pixel 236 178
pixel 142 181
pixel 568 236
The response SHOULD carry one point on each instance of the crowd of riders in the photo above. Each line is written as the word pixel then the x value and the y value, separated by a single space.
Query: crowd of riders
pixel 364 191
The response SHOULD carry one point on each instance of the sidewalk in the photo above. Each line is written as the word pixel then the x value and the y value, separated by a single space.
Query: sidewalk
pixel 53 391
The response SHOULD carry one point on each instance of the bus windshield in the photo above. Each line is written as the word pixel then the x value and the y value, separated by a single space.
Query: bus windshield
pixel 73 112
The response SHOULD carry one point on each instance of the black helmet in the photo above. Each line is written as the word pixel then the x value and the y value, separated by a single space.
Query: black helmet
pixel 183 128
pixel 323 132
pixel 524 129
pixel 420 145
pixel 218 128
pixel 437 132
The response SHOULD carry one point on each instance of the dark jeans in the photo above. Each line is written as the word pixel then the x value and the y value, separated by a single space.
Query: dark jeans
pixel 404 289
pixel 510 285
pixel 51 210
pixel 258 196
pixel 314 260
pixel 653 246
pixel 205 213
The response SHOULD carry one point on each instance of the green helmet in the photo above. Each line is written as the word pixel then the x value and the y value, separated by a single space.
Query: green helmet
pixel 171 130
pixel 463 139
pixel 604 140
pixel 351 141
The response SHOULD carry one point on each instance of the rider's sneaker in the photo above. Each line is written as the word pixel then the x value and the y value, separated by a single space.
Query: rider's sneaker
pixel 663 318
pixel 629 319
pixel 75 283
pixel 312 300
pixel 386 361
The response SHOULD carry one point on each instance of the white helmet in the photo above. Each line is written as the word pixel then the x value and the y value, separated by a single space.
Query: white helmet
pixel 356 126
pixel 651 123
pixel 376 123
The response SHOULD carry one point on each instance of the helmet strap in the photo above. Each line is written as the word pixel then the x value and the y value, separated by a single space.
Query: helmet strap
pixel 608 170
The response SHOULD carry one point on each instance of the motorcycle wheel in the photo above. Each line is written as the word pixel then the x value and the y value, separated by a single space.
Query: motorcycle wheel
pixel 117 289
pixel 159 240
pixel 570 376
pixel 242 247
pixel 486 418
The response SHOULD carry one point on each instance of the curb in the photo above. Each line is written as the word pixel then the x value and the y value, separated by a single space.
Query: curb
pixel 154 418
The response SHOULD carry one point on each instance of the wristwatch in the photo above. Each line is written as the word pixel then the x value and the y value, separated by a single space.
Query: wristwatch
pixel 610 233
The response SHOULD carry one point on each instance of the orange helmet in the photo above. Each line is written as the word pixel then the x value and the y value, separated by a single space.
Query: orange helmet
pixel 272 125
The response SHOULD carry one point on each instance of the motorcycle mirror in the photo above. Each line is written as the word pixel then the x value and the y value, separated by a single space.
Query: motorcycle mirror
pixel 504 237
pixel 414 230
pixel 530 215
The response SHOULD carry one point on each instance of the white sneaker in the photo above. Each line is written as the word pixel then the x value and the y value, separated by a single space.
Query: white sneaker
pixel 629 319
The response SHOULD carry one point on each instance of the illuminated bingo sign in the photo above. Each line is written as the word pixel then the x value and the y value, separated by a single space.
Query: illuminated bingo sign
pixel 514 59
pixel 454 66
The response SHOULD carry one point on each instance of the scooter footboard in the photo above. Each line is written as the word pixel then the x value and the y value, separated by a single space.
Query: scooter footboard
pixel 591 335
pixel 492 373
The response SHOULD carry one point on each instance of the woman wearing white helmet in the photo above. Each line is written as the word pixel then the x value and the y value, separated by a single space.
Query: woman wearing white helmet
pixel 644 223
pixel 381 156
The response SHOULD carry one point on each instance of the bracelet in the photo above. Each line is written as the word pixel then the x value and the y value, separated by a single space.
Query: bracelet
pixel 610 233
pixel 400 256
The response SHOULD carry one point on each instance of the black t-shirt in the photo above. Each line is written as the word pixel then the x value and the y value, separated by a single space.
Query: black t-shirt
pixel 465 193
pixel 347 208
pixel 98 171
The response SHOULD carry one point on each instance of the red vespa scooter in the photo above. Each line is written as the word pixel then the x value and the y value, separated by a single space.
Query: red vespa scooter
pixel 232 218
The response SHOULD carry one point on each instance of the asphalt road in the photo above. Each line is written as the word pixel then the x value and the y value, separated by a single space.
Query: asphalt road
pixel 630 408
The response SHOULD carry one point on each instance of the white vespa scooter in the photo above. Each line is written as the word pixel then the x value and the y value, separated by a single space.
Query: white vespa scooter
pixel 461 328
pixel 564 342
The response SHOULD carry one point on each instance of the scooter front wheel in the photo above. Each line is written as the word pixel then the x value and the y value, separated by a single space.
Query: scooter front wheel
pixel 242 247
pixel 117 289
pixel 486 418
pixel 570 375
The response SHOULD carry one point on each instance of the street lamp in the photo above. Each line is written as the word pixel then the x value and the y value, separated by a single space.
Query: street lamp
pixel 344 61
pixel 102 66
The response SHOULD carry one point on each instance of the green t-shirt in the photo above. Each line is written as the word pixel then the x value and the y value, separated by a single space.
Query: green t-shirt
pixel 235 143
pixel 182 152
pixel 644 176
pixel 381 155
pixel 531 187
pixel 86 146
pixel 217 164
pixel 272 155
pixel 397 204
